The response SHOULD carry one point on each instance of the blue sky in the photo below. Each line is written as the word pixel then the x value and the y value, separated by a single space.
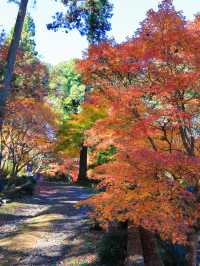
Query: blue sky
pixel 55 47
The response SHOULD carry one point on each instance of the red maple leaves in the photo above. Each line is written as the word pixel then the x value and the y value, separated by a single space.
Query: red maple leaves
pixel 150 86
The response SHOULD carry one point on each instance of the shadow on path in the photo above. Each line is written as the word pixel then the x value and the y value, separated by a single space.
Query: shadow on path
pixel 46 229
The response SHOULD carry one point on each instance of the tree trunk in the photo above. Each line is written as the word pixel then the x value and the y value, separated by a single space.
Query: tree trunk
pixel 13 170
pixel 83 163
pixel 11 58
pixel 150 249
pixel 134 248
pixel 120 228
pixel 192 250
pixel 123 227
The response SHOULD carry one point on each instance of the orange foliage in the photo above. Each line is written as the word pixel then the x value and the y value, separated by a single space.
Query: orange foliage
pixel 30 74
pixel 28 134
pixel 64 166
pixel 151 87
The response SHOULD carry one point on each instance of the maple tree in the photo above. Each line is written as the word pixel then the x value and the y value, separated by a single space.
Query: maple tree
pixel 150 87
pixel 28 135
pixel 30 75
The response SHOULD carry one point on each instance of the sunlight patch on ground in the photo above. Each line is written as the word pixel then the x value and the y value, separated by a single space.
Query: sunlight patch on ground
pixel 44 219
pixel 10 207
pixel 45 230
pixel 29 232
pixel 20 241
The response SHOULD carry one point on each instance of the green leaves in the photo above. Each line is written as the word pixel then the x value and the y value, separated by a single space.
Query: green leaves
pixel 66 88
pixel 106 156
pixel 90 18
pixel 27 42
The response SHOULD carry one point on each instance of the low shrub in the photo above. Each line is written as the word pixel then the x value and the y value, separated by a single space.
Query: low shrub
pixel 19 186
pixel 111 248
pixel 172 255
pixel 58 178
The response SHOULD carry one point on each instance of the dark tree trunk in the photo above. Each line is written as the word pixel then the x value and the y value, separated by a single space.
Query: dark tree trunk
pixel 192 250
pixel 134 247
pixel 121 229
pixel 11 58
pixel 83 163
pixel 150 248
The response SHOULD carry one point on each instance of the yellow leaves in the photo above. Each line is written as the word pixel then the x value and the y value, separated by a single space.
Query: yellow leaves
pixel 72 134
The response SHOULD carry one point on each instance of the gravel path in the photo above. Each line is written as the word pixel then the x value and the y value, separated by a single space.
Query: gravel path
pixel 46 229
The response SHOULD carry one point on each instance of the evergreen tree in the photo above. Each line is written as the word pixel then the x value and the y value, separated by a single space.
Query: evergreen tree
pixel 27 42
pixel 66 88
pixel 90 18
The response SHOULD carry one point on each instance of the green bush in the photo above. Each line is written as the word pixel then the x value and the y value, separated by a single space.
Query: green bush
pixel 111 248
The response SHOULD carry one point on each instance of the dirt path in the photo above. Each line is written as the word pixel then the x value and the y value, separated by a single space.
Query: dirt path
pixel 46 229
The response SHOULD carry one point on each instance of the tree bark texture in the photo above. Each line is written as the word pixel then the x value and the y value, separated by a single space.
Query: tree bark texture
pixel 192 250
pixel 83 163
pixel 6 89
pixel 134 248
pixel 150 249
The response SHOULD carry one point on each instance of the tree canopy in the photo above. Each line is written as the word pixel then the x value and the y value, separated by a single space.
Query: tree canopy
pixel 66 90
pixel 150 85
pixel 90 18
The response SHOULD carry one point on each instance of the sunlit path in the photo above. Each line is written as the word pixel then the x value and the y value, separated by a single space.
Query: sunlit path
pixel 45 229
